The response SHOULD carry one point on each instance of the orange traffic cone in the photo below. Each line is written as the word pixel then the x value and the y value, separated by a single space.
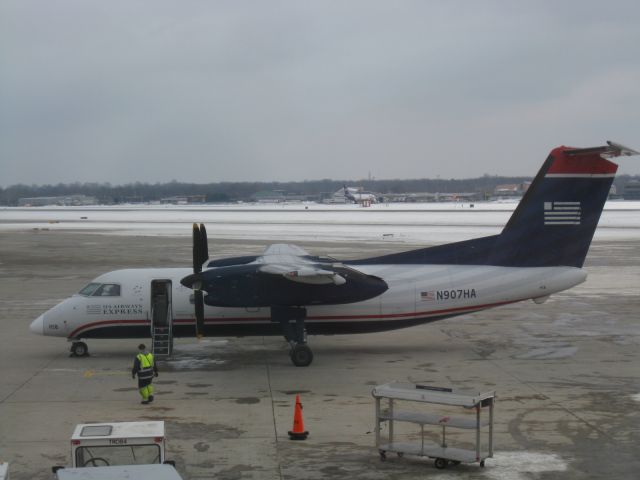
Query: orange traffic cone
pixel 298 432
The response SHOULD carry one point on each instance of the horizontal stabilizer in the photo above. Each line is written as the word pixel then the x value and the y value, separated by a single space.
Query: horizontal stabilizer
pixel 610 150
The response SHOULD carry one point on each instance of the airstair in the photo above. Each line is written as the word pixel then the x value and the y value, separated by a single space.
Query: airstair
pixel 161 320
pixel 162 341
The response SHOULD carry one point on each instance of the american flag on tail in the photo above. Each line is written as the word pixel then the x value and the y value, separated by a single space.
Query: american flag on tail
pixel 562 213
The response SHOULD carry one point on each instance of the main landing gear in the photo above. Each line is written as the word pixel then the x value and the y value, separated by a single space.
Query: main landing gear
pixel 79 349
pixel 291 320
pixel 301 355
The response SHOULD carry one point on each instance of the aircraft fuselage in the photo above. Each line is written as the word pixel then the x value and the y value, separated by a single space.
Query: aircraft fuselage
pixel 416 294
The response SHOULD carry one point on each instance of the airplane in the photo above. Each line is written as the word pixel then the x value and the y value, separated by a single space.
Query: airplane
pixel 286 291
pixel 356 195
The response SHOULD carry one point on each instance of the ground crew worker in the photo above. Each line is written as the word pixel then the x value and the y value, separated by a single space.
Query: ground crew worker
pixel 145 367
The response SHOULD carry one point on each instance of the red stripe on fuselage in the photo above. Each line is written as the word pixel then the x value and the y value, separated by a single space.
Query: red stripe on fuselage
pixel 105 323
pixel 346 318
pixel 580 164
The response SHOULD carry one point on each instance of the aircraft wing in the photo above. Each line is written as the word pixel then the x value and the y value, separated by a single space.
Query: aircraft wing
pixel 303 273
pixel 289 262
pixel 284 249
pixel 284 275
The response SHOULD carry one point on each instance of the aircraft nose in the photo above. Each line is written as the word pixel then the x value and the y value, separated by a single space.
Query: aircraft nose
pixel 37 326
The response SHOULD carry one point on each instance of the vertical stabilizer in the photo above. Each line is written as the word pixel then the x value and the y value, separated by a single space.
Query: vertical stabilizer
pixel 556 219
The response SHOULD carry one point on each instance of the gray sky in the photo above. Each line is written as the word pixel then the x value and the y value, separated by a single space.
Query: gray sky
pixel 208 91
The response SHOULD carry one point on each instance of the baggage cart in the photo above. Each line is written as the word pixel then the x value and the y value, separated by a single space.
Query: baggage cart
pixel 396 395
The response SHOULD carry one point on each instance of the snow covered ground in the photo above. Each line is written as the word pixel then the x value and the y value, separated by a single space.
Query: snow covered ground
pixel 399 223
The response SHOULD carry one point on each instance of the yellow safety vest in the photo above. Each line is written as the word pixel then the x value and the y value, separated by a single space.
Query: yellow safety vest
pixel 146 366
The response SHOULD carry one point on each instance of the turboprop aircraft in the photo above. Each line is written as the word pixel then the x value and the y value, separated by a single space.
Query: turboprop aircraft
pixel 286 291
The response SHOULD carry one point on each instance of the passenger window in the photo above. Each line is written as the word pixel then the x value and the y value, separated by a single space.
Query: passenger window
pixel 108 290
pixel 89 289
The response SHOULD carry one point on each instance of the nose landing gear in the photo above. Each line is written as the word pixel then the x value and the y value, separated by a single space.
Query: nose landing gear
pixel 79 349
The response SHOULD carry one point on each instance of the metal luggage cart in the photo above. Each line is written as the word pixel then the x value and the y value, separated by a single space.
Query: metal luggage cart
pixel 442 452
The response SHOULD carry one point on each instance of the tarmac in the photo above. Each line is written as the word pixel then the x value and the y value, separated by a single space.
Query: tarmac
pixel 566 374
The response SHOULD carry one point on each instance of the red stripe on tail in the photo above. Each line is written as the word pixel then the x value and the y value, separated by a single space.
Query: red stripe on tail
pixel 590 164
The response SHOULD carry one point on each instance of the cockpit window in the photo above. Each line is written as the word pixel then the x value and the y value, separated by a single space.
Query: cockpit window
pixel 89 289
pixel 107 290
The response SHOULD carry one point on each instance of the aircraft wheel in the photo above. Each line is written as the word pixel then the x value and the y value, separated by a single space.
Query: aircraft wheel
pixel 440 463
pixel 79 349
pixel 301 355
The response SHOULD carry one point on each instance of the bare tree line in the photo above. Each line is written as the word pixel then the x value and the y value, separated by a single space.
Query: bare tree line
pixel 243 191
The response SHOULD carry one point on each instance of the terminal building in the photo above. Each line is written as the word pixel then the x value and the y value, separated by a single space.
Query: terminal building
pixel 511 190
pixel 183 199
pixel 62 201
pixel 632 190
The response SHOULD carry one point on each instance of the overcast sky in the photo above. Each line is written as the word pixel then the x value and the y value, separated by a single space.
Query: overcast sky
pixel 209 91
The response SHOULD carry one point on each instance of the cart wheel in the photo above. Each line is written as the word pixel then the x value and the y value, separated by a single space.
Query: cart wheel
pixel 400 454
pixel 440 463
pixel 383 455
pixel 481 463
pixel 455 462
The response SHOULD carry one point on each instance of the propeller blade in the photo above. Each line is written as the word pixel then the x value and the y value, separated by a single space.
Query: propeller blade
pixel 200 255
pixel 199 304
pixel 197 247
pixel 193 281
pixel 205 243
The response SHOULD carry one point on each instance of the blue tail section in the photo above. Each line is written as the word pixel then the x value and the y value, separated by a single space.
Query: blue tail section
pixel 553 224
pixel 555 221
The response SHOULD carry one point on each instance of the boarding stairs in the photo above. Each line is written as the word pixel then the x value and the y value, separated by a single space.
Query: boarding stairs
pixel 162 341
pixel 161 331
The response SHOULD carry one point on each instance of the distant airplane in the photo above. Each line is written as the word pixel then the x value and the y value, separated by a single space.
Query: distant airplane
pixel 286 291
pixel 356 195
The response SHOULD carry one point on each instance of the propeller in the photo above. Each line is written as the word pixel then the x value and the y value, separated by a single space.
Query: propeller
pixel 200 255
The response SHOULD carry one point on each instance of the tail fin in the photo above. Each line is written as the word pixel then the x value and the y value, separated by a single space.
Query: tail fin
pixel 553 224
pixel 557 217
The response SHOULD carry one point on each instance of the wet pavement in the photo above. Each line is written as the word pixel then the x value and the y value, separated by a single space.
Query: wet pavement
pixel 567 375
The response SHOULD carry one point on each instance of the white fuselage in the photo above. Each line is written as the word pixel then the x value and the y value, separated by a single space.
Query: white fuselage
pixel 416 294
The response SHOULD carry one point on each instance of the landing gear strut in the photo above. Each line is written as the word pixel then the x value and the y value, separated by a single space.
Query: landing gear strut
pixel 79 349
pixel 291 320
